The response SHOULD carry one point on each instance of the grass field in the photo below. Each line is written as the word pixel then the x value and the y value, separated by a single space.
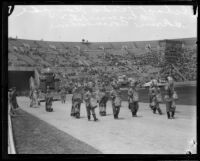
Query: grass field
pixel 34 136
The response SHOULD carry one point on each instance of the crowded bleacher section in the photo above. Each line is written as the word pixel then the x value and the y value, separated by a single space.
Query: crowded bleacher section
pixel 77 61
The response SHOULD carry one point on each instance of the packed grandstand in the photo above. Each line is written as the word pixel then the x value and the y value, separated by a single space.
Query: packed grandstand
pixel 104 60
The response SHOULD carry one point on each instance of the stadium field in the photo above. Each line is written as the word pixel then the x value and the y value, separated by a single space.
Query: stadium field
pixel 146 134
pixel 34 136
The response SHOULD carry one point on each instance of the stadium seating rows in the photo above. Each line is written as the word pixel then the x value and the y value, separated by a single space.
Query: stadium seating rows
pixel 132 58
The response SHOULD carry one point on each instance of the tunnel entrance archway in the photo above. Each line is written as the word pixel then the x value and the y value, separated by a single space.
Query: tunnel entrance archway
pixel 20 80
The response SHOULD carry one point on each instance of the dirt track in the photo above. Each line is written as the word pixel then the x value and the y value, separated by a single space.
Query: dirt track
pixel 147 134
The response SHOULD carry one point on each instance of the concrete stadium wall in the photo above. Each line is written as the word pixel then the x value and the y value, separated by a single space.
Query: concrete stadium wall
pixel 20 80
pixel 18 68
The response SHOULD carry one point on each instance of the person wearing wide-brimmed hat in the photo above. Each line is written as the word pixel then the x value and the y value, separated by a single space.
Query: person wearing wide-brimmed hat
pixel 133 98
pixel 155 96
pixel 170 98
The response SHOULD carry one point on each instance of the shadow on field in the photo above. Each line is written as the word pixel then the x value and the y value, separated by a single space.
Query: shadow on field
pixel 178 111
pixel 34 136
pixel 109 114
pixel 139 116
pixel 121 118
pixel 82 117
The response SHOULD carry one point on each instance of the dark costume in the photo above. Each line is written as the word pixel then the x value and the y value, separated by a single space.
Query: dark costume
pixel 14 99
pixel 9 96
pixel 116 102
pixel 155 98
pixel 34 99
pixel 133 98
pixel 91 103
pixel 77 99
pixel 10 105
pixel 63 95
pixel 170 97
pixel 103 98
pixel 48 101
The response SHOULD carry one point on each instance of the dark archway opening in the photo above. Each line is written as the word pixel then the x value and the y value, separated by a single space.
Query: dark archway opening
pixel 20 80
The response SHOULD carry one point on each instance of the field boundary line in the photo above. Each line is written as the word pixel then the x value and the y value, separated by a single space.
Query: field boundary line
pixel 11 144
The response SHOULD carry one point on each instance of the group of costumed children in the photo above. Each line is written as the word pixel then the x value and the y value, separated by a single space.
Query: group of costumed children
pixel 98 97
